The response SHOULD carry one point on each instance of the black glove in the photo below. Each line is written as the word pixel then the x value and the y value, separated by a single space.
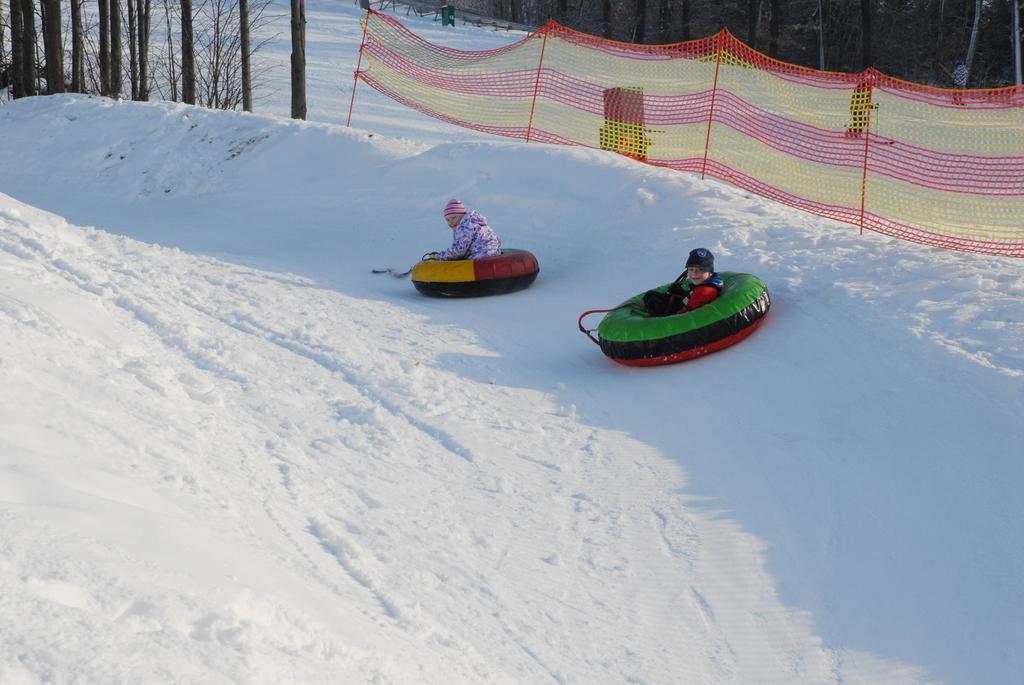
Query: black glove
pixel 655 303
pixel 676 289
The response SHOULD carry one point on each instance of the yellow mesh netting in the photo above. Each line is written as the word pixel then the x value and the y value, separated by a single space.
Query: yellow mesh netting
pixel 936 166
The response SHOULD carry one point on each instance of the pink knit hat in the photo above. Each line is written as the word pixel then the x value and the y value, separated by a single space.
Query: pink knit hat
pixel 454 208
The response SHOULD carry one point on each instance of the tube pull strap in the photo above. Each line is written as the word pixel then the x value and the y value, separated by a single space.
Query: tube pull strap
pixel 589 331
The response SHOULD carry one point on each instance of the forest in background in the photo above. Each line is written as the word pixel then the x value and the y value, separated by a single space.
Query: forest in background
pixel 200 52
pixel 915 40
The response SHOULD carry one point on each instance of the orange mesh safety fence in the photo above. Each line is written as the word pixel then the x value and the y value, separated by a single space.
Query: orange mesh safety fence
pixel 934 166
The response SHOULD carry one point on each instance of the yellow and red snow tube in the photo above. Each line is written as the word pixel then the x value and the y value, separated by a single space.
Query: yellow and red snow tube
pixel 507 272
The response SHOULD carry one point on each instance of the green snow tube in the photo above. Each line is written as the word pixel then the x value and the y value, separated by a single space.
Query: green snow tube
pixel 628 336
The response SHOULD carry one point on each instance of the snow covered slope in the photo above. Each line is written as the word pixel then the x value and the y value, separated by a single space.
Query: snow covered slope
pixel 233 454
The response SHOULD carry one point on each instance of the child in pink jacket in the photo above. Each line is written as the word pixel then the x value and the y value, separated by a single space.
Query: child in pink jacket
pixel 472 238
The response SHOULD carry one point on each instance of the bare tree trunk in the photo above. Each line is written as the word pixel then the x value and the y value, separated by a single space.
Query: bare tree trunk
pixel 142 11
pixel 935 24
pixel 172 74
pixel 28 55
pixel 5 75
pixel 773 28
pixel 54 54
pixel 1016 40
pixel 753 14
pixel 115 48
pixel 865 34
pixel 640 25
pixel 665 21
pixel 3 59
pixel 188 55
pixel 104 12
pixel 133 55
pixel 298 59
pixel 821 35
pixel 17 50
pixel 77 48
pixel 974 38
pixel 243 21
pixel 212 85
pixel 42 26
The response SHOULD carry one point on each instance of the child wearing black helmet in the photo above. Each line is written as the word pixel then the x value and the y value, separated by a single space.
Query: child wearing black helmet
pixel 694 288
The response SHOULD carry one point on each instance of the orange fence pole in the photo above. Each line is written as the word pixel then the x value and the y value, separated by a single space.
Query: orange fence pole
pixel 869 77
pixel 359 64
pixel 536 83
pixel 711 112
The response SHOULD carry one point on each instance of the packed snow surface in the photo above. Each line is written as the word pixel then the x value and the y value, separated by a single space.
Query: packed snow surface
pixel 232 454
